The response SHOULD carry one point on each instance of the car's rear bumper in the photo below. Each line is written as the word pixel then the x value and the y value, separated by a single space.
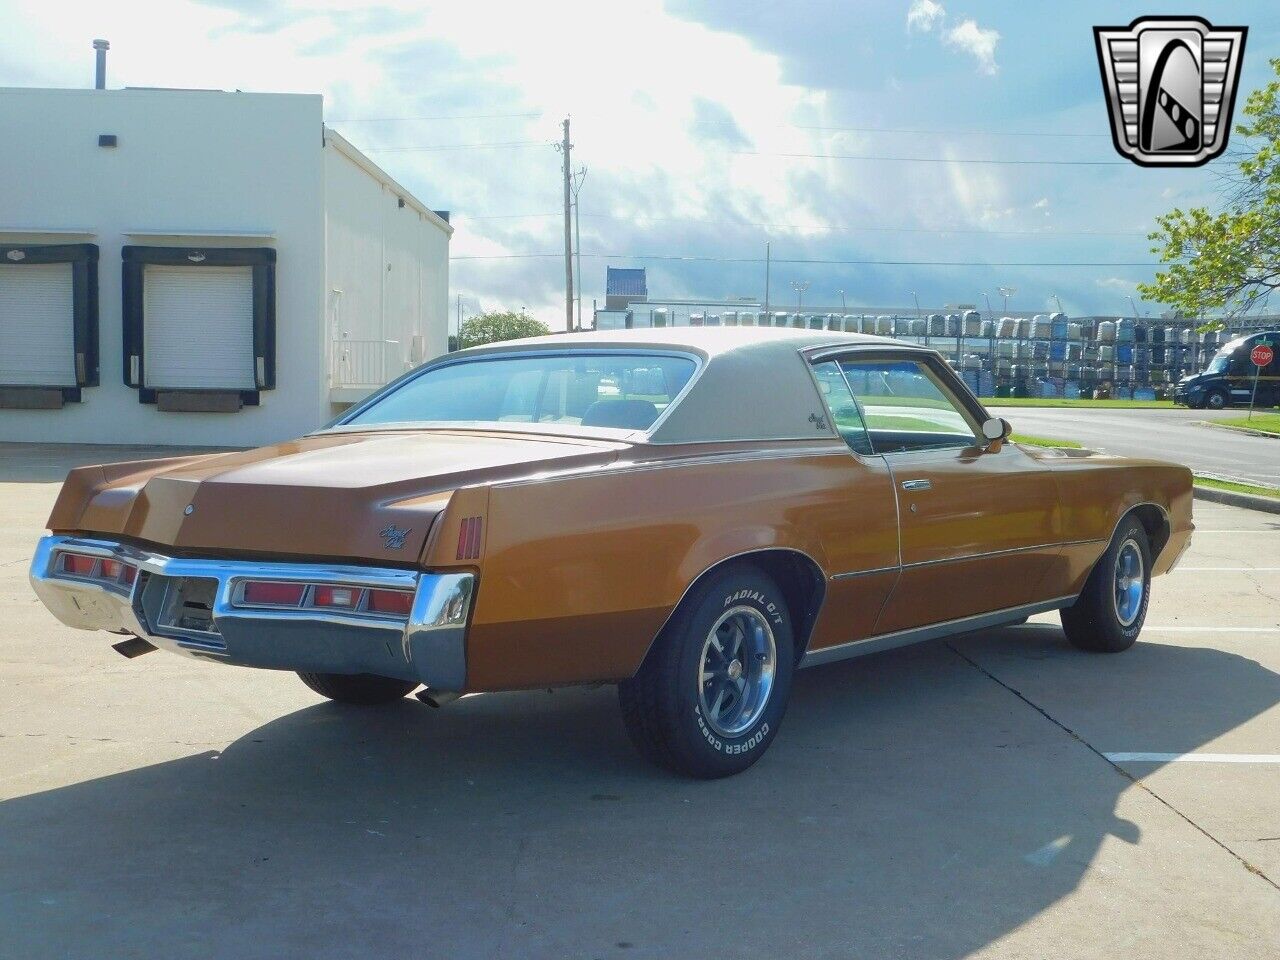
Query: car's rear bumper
pixel 428 645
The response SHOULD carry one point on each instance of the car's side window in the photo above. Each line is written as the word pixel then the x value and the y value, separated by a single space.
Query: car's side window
pixel 842 406
pixel 906 406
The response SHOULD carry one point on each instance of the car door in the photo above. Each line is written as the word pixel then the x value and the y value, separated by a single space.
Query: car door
pixel 979 521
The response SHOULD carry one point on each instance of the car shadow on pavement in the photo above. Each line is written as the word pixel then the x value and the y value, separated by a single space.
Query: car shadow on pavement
pixel 911 807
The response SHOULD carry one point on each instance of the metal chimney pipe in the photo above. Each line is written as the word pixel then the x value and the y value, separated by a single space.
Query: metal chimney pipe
pixel 100 75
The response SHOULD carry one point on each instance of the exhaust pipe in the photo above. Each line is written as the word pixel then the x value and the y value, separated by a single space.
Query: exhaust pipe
pixel 133 647
pixel 437 698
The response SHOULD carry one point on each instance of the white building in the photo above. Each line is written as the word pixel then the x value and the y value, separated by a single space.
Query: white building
pixel 200 267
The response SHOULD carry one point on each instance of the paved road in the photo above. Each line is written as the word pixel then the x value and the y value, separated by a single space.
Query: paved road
pixel 1166 434
pixel 948 800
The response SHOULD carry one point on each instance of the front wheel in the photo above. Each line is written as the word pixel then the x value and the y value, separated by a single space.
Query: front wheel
pixel 709 698
pixel 361 689
pixel 1215 400
pixel 1108 616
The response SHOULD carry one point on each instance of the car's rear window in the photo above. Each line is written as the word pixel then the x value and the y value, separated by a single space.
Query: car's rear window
pixel 609 390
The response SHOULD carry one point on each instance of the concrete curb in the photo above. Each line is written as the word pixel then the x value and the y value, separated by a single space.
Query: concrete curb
pixel 1247 431
pixel 1234 499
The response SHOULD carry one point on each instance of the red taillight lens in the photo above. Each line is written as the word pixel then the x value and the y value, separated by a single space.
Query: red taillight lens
pixel 396 602
pixel 111 569
pixel 78 564
pixel 275 594
pixel 345 598
pixel 130 575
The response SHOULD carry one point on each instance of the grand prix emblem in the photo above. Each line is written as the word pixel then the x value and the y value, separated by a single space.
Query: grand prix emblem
pixel 1170 84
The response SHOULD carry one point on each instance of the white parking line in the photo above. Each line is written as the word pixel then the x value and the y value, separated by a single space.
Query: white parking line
pixel 1181 629
pixel 1193 757
pixel 1225 569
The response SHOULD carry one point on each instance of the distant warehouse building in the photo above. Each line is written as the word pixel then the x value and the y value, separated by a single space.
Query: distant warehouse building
pixel 200 267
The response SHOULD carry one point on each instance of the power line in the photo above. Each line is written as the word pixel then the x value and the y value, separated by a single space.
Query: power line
pixel 1047 234
pixel 459 146
pixel 813 261
pixel 467 116
pixel 819 128
pixel 1001 161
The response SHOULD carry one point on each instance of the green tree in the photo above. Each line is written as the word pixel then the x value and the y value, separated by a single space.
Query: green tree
pixel 497 326
pixel 1229 260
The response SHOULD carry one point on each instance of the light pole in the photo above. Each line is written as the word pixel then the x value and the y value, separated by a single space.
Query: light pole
pixel 844 308
pixel 988 299
pixel 917 300
pixel 799 286
pixel 1058 302
pixel 1134 306
pixel 1007 292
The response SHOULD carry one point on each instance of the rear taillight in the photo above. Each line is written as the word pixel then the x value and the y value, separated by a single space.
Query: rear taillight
pixel 345 598
pixel 268 593
pixel 79 564
pixel 111 573
pixel 337 597
pixel 469 538
pixel 394 602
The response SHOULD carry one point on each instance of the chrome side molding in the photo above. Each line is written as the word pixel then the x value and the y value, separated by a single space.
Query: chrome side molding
pixel 949 628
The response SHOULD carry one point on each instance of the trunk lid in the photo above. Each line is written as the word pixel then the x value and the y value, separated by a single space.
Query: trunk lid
pixel 343 496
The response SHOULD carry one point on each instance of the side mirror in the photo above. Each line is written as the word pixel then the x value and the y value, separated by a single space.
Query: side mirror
pixel 994 429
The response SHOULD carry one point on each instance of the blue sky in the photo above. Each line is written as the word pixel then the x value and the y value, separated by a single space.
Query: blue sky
pixel 699 122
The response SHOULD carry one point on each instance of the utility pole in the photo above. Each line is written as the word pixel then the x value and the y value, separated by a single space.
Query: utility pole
pixel 577 234
pixel 566 148
pixel 458 334
pixel 768 260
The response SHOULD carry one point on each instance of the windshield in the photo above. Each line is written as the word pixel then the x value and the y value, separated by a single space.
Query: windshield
pixel 589 389
pixel 1219 363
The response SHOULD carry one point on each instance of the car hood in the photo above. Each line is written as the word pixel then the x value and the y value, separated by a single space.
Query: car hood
pixel 325 496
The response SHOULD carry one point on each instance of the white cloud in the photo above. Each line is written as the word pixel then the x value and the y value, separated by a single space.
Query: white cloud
pixel 1118 284
pixel 978 42
pixel 924 15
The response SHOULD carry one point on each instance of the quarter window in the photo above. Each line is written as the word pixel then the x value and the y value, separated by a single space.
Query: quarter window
pixel 906 406
pixel 843 406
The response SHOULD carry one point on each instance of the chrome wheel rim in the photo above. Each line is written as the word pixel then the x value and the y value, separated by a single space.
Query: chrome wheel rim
pixel 1216 401
pixel 736 671
pixel 1130 583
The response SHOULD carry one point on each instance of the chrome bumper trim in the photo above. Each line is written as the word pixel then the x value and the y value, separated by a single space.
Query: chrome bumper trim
pixel 428 646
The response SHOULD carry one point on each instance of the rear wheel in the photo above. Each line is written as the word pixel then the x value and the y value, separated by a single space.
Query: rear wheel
pixel 1108 616
pixel 362 689
pixel 709 698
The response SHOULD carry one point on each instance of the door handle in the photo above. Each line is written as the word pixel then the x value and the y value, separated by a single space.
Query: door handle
pixel 917 485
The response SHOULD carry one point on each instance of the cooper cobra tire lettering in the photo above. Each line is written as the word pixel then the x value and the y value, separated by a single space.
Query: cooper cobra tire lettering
pixel 662 705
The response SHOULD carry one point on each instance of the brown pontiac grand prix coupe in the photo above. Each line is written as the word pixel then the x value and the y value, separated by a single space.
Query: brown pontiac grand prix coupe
pixel 692 514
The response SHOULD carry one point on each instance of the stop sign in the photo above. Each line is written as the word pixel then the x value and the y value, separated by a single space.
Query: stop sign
pixel 1262 355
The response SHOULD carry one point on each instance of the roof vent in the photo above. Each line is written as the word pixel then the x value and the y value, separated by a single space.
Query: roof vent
pixel 100 73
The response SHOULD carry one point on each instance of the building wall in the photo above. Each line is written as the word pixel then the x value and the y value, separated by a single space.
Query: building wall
pixel 388 276
pixel 187 162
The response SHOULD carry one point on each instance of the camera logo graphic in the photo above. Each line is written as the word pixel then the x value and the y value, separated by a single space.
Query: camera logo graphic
pixel 1170 84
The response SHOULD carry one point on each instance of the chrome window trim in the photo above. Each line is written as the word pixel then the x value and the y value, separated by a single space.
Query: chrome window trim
pixel 454 359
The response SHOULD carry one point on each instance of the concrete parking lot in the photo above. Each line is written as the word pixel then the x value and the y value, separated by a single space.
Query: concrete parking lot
pixel 999 795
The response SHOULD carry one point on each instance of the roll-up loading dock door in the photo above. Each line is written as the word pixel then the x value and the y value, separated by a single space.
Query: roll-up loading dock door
pixel 37 325
pixel 48 324
pixel 198 327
